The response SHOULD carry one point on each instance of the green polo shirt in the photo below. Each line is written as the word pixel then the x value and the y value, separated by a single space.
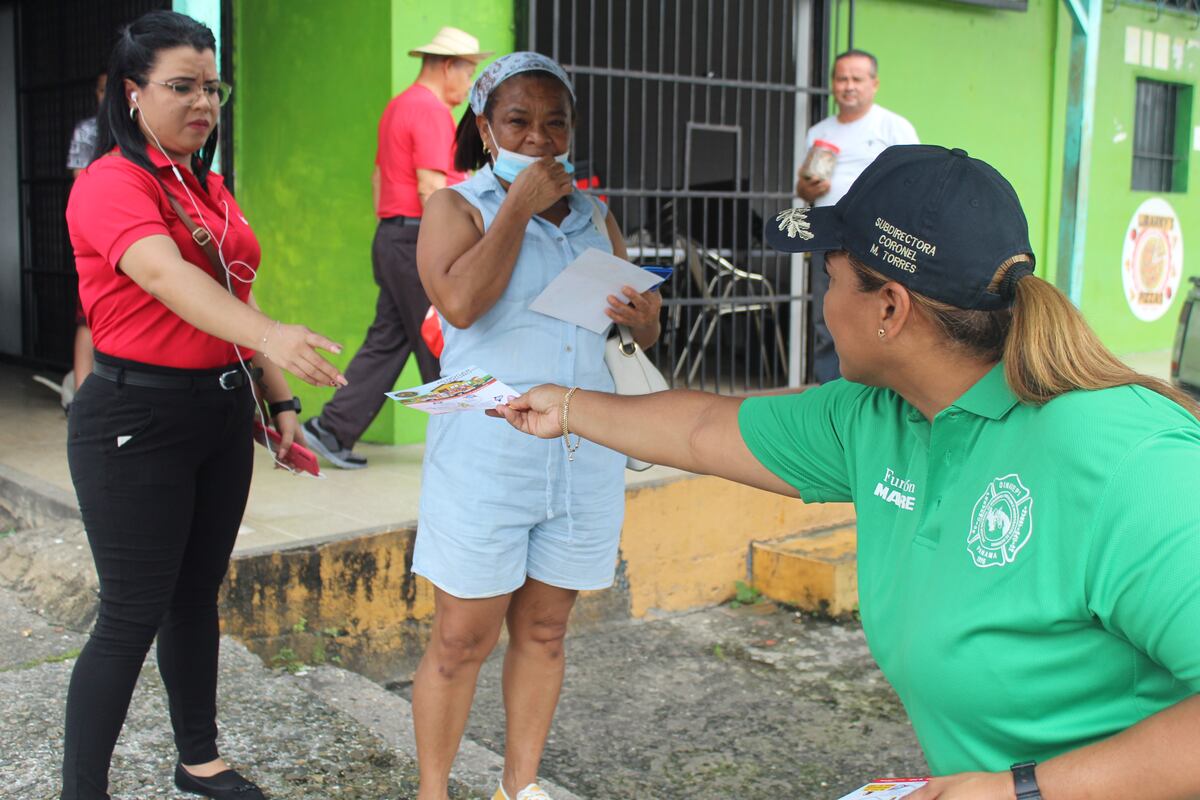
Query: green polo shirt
pixel 1028 577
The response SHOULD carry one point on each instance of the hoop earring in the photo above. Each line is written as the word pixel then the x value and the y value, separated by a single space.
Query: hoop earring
pixel 882 333
pixel 133 113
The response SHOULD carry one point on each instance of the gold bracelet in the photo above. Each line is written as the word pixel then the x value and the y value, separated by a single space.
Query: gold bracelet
pixel 566 432
pixel 270 329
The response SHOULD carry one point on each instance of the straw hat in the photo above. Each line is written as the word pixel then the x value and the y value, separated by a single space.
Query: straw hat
pixel 453 42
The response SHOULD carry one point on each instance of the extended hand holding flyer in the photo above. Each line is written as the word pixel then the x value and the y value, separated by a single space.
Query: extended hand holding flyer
pixel 470 389
pixel 886 789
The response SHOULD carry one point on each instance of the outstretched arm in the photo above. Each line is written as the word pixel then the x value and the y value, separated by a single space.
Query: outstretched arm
pixel 694 431
pixel 155 264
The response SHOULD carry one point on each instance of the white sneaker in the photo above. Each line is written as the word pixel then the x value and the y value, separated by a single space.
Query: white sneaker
pixel 530 792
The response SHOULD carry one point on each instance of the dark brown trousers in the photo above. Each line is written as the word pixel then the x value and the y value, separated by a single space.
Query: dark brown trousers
pixel 392 338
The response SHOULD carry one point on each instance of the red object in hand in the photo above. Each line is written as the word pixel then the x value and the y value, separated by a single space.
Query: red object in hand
pixel 431 332
pixel 298 456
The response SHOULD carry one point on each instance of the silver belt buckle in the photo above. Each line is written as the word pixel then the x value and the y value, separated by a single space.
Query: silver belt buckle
pixel 225 380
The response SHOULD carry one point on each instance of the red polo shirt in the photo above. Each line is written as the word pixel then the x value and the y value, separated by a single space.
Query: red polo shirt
pixel 415 132
pixel 113 204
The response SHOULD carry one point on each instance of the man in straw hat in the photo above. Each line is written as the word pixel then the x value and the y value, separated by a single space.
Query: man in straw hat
pixel 415 158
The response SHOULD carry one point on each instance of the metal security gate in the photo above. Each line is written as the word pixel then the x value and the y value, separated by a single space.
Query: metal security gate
pixel 61 46
pixel 689 116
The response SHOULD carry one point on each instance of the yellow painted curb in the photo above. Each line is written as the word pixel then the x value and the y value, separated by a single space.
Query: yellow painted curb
pixel 686 542
pixel 816 572
pixel 355 601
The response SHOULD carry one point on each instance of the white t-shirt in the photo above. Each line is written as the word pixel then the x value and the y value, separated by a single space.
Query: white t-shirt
pixel 860 142
pixel 83 141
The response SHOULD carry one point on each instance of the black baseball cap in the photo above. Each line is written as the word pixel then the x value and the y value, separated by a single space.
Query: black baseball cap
pixel 935 220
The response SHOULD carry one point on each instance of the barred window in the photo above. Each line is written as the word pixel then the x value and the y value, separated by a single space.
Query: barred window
pixel 1162 122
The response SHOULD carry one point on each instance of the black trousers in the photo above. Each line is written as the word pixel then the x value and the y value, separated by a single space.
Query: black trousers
pixel 162 477
pixel 393 336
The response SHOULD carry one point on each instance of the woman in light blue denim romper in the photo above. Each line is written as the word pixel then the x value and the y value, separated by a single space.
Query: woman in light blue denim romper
pixel 510 528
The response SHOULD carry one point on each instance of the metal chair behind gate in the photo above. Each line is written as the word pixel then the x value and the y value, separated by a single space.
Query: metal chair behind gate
pixel 729 290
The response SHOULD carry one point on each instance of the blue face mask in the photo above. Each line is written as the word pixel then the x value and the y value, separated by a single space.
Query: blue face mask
pixel 507 165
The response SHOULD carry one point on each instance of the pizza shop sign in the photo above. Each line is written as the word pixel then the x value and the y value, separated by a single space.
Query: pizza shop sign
pixel 1152 259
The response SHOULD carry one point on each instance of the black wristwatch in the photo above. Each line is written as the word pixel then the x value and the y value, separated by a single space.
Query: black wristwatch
pixel 1025 782
pixel 275 409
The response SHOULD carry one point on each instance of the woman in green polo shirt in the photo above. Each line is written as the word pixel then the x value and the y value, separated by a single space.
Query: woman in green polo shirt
pixel 1028 549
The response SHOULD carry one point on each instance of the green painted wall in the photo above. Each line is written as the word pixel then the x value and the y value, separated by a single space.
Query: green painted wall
pixel 1113 201
pixel 313 78
pixel 976 78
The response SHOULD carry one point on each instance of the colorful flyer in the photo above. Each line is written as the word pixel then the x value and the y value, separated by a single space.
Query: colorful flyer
pixel 886 789
pixel 470 389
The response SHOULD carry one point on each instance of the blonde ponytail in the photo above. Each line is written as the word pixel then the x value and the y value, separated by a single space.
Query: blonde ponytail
pixel 1051 350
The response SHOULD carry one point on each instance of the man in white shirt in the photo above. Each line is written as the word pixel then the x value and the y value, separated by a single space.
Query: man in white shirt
pixel 861 131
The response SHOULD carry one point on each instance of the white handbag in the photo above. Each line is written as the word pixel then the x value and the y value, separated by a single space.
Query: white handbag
pixel 632 374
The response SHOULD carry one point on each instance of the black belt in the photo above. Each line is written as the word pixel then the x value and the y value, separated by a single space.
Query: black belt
pixel 228 380
pixel 407 222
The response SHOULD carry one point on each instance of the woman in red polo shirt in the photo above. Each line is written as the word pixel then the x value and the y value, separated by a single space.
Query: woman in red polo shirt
pixel 160 433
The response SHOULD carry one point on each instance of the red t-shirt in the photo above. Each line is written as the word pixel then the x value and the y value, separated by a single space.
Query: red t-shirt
pixel 113 204
pixel 415 132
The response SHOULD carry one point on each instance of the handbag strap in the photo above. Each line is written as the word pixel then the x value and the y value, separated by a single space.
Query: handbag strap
pixel 625 340
pixel 627 344
pixel 199 235
pixel 598 217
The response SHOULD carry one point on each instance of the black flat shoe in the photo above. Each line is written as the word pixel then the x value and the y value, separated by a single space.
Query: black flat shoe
pixel 227 785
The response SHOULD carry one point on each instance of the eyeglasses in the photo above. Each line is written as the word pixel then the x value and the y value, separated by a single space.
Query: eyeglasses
pixel 187 90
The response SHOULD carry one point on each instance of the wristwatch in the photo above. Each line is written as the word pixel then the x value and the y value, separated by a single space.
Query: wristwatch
pixel 275 409
pixel 1025 782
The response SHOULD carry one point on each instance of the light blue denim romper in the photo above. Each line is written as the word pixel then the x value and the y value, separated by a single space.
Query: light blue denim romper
pixel 497 505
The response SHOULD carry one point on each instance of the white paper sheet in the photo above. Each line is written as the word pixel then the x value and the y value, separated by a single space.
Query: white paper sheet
pixel 579 294
pixel 886 789
pixel 470 389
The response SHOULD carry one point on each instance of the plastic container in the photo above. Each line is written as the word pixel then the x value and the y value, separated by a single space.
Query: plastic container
pixel 821 159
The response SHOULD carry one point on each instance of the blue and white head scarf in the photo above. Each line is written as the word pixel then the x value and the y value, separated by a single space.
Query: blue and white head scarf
pixel 505 67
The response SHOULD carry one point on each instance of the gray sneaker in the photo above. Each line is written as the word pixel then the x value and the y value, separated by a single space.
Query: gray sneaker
pixel 326 445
